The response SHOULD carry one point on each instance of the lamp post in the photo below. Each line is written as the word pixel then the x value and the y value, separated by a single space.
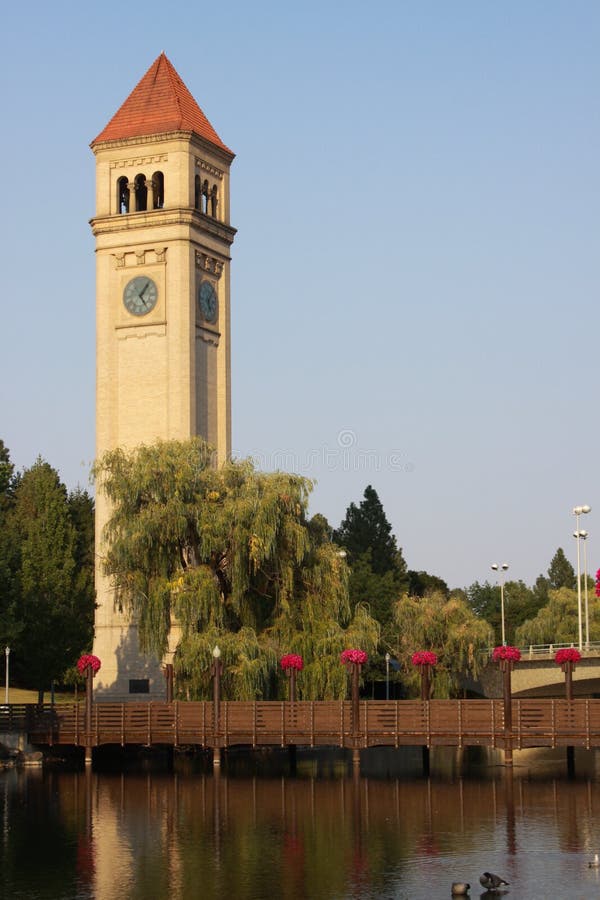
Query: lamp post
pixel 582 535
pixel 7 654
pixel 578 511
pixel 501 570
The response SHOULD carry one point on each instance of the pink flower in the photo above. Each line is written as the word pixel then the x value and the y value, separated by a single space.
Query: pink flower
pixel 598 583
pixel 424 658
pixel 567 654
pixel 292 661
pixel 512 653
pixel 88 659
pixel 354 656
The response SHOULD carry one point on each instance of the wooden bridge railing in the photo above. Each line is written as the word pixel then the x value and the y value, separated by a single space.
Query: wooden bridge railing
pixel 396 723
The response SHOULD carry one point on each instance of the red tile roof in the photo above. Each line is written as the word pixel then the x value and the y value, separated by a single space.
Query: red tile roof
pixel 159 103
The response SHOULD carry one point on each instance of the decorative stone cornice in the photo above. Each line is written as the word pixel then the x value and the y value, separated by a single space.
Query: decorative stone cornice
pixel 206 167
pixel 127 222
pixel 138 161
pixel 144 257
pixel 209 337
pixel 209 264
pixel 168 136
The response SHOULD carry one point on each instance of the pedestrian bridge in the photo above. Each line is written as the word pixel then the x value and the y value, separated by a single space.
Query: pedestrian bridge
pixel 337 723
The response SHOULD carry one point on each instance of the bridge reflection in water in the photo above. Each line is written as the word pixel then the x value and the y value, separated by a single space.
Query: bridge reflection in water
pixel 191 833
pixel 393 723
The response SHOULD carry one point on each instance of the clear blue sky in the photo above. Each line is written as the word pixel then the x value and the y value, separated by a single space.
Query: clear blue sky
pixel 415 277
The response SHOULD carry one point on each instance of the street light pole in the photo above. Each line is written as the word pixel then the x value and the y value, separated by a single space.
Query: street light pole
pixel 501 570
pixel 578 511
pixel 7 654
pixel 582 535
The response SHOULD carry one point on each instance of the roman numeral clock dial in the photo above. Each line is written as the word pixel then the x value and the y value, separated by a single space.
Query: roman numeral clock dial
pixel 140 295
pixel 207 301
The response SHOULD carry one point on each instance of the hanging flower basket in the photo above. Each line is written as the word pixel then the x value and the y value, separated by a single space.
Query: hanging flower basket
pixel 292 661
pixel 424 658
pixel 358 657
pixel 513 654
pixel 88 660
pixel 567 655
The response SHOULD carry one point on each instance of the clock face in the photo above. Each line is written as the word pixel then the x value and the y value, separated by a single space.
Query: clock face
pixel 207 300
pixel 140 295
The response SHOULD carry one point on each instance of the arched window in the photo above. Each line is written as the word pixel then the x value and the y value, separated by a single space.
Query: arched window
pixel 204 202
pixel 158 187
pixel 141 194
pixel 213 201
pixel 197 193
pixel 122 195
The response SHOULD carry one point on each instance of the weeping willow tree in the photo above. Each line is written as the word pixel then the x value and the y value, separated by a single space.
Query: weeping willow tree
pixel 558 621
pixel 449 628
pixel 227 556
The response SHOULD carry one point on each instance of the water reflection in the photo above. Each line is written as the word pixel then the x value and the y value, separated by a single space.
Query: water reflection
pixel 192 833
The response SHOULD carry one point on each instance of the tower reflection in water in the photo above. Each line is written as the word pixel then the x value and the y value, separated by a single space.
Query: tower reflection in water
pixel 221 836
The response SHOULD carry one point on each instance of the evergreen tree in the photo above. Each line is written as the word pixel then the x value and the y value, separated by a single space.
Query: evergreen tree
pixel 377 568
pixel 230 557
pixel 8 549
pixel 51 630
pixel 561 572
pixel 422 583
pixel 6 472
pixel 81 512
pixel 366 528
pixel 540 589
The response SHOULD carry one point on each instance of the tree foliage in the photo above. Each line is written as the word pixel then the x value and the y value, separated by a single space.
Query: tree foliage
pixel 422 583
pixel 561 573
pixel 365 528
pixel 558 621
pixel 520 603
pixel 53 598
pixel 378 573
pixel 448 627
pixel 8 549
pixel 228 556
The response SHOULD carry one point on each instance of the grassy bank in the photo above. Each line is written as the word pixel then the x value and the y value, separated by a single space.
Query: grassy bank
pixel 22 695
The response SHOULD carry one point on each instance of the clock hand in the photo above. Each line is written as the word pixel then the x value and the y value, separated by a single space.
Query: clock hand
pixel 142 292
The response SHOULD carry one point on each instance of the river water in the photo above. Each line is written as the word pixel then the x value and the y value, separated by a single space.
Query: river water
pixel 254 832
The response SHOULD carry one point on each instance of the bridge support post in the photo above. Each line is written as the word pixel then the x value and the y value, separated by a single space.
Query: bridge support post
pixel 567 666
pixel 425 695
pixel 89 692
pixel 506 666
pixel 168 673
pixel 216 670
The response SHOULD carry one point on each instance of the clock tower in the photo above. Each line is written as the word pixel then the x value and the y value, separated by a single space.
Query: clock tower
pixel 163 240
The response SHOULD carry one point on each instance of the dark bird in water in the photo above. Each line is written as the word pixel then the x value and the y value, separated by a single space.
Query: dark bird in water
pixel 460 888
pixel 492 882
